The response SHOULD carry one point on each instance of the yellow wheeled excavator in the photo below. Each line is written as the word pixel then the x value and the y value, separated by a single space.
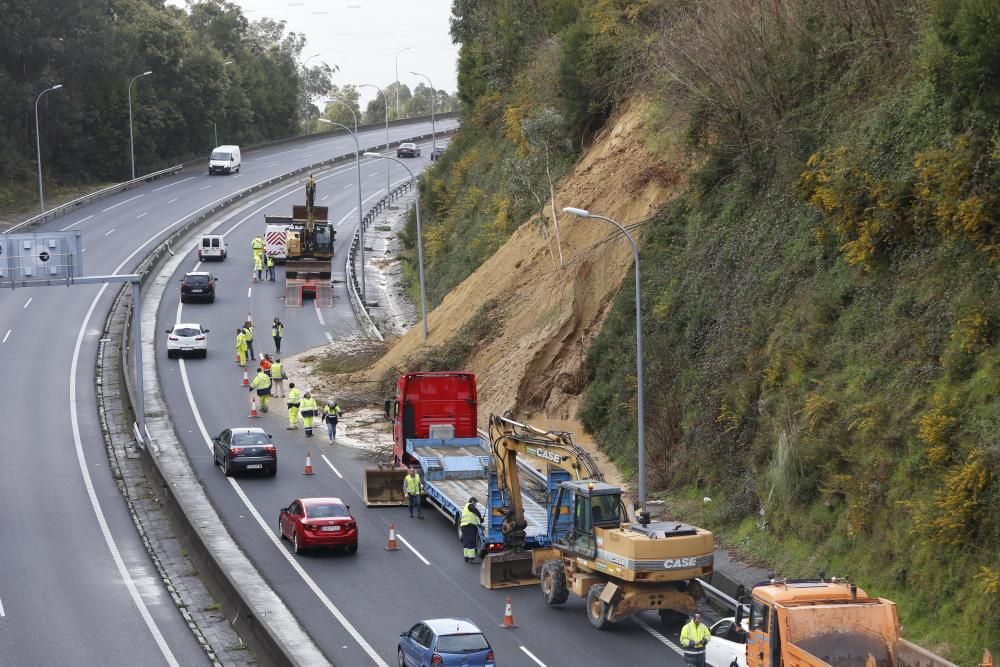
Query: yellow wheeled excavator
pixel 618 566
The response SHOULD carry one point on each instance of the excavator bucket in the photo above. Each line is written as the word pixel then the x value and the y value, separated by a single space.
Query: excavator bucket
pixel 506 569
pixel 384 487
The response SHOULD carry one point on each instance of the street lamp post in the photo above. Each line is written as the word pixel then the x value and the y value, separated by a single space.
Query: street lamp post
pixel 38 146
pixel 131 145
pixel 388 179
pixel 420 243
pixel 433 95
pixel 215 126
pixel 397 79
pixel 638 353
pixel 357 163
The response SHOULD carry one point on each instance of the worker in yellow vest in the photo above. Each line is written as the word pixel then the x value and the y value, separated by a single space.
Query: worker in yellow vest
pixel 294 401
pixel 411 489
pixel 248 334
pixel 262 383
pixel 308 409
pixel 278 378
pixel 469 525
pixel 241 347
pixel 694 636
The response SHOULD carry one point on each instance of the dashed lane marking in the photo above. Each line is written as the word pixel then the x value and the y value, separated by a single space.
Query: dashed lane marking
pixel 331 466
pixel 76 223
pixel 7 335
pixel 2 612
pixel 656 633
pixel 249 292
pixel 27 303
pixel 324 198
pixel 170 185
pixel 120 203
pixel 204 188
pixel 142 215
pixel 329 336
pixel 111 232
pixel 410 547
pixel 532 656
pixel 172 200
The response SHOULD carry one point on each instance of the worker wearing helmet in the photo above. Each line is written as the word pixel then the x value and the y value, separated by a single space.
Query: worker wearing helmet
pixel 694 636
pixel 469 525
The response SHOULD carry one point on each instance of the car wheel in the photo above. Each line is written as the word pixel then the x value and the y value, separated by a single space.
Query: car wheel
pixel 402 660
pixel 295 541
pixel 273 471
pixel 225 467
pixel 183 300
pixel 204 354
pixel 170 354
pixel 597 609
pixel 672 619
pixel 352 549
pixel 281 533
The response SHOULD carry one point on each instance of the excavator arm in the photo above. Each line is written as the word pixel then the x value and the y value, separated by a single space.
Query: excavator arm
pixel 508 440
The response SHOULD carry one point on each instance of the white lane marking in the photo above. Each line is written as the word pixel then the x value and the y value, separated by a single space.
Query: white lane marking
pixel 374 173
pixel 308 155
pixel 120 203
pixel 653 631
pixel 319 316
pixel 83 250
pixel 2 612
pixel 331 466
pixel 95 503
pixel 348 186
pixel 111 232
pixel 76 223
pixel 7 335
pixel 142 215
pixel 410 547
pixel 172 200
pixel 328 336
pixel 273 164
pixel 204 188
pixel 27 303
pixel 317 591
pixel 237 175
pixel 324 198
pixel 170 185
pixel 249 292
pixel 532 656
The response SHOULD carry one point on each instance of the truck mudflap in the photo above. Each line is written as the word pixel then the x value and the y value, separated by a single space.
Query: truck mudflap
pixel 505 569
pixel 383 487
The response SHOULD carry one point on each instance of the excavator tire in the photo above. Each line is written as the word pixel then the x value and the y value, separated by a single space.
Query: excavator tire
pixel 672 619
pixel 554 589
pixel 597 609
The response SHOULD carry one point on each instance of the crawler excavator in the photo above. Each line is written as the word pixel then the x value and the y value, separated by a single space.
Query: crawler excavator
pixel 619 567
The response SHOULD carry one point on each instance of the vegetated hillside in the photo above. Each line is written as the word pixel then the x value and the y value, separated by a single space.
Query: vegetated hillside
pixel 821 301
pixel 95 47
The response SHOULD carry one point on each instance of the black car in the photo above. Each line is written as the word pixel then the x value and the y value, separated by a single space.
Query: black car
pixel 437 152
pixel 408 150
pixel 198 285
pixel 245 450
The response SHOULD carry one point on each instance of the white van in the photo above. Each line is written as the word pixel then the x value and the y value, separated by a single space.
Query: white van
pixel 276 242
pixel 212 246
pixel 224 160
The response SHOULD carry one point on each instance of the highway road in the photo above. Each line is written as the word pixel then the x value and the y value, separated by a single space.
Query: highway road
pixel 354 606
pixel 77 586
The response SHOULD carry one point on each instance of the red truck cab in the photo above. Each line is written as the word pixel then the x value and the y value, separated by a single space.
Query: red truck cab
pixel 428 405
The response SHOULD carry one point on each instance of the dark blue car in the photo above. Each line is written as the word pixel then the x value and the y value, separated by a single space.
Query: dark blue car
pixel 445 641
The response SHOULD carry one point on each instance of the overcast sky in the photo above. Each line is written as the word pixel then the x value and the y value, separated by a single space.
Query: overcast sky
pixel 362 38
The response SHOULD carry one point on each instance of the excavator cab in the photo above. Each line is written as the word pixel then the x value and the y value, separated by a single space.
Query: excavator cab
pixel 580 508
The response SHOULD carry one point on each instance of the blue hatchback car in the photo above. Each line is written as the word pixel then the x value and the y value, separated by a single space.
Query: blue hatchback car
pixel 445 641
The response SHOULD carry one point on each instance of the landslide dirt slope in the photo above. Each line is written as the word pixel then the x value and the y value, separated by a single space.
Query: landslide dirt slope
pixel 535 366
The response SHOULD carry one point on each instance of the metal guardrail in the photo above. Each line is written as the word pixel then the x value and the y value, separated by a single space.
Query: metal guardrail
pixel 69 206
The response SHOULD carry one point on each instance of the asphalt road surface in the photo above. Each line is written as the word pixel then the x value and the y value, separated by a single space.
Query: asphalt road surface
pixel 354 606
pixel 76 585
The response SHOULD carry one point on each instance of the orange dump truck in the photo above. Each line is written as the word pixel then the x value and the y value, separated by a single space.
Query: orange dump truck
pixel 833 622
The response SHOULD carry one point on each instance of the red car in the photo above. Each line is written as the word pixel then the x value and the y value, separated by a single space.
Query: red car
pixel 318 522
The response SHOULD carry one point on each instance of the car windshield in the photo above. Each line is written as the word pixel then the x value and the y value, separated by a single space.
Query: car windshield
pixel 250 439
pixel 219 155
pixel 187 332
pixel 462 643
pixel 326 511
pixel 196 280
pixel 409 145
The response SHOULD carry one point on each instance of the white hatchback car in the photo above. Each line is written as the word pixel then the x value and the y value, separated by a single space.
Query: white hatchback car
pixel 187 337
pixel 728 647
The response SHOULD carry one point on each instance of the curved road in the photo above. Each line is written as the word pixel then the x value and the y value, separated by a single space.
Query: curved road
pixel 77 586
pixel 353 606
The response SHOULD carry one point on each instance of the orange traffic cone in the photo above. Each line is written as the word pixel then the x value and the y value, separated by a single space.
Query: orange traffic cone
pixel 391 545
pixel 508 615
pixel 309 465
pixel 253 406
pixel 237 357
pixel 246 380
pixel 987 659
